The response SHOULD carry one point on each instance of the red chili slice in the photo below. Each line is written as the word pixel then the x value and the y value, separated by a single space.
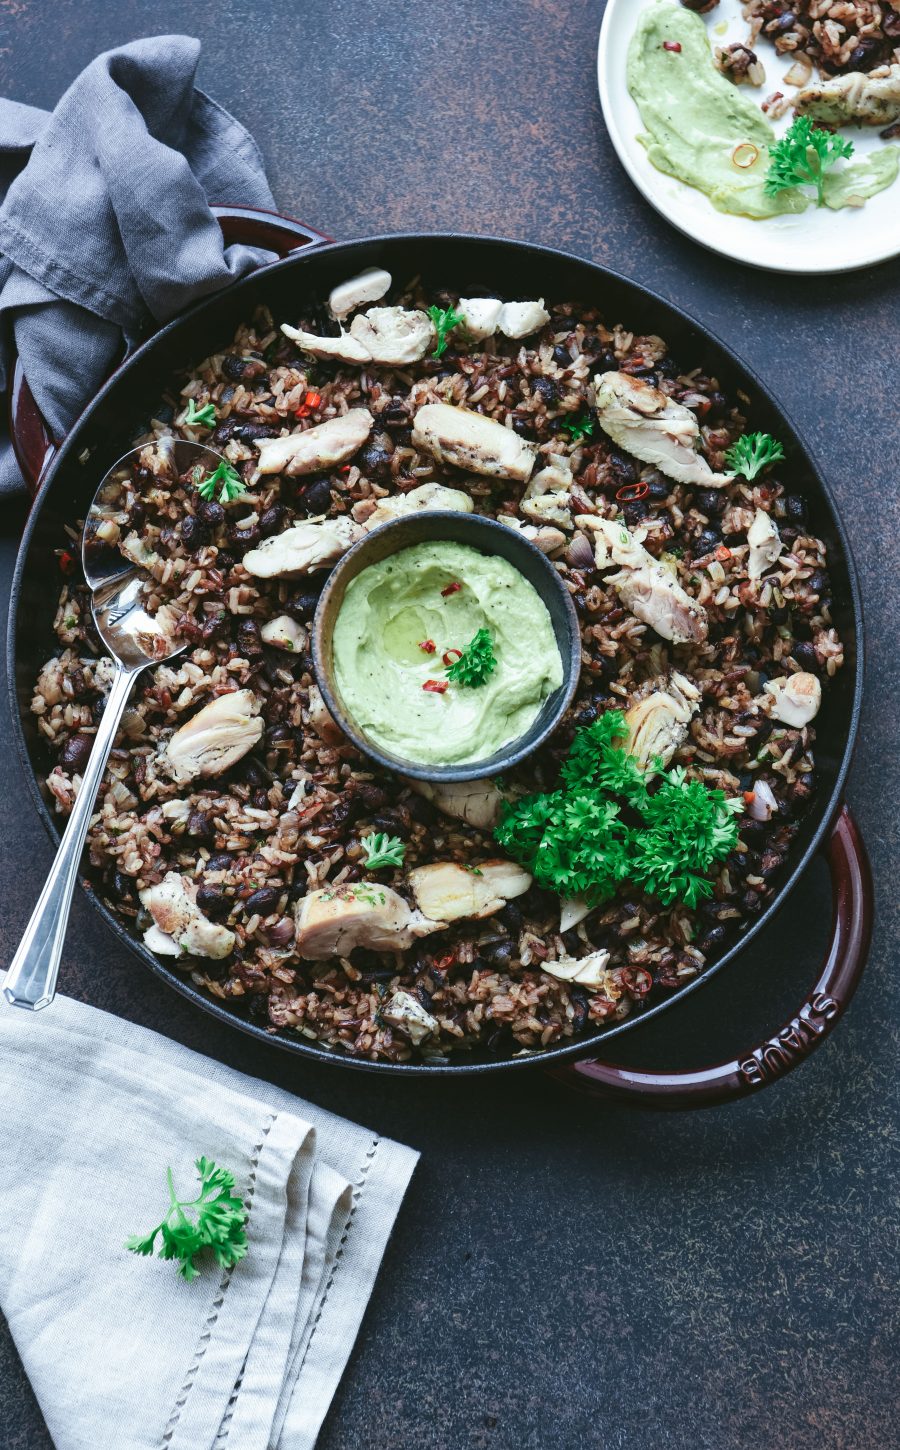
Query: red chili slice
pixel 312 400
pixel 450 655
pixel 723 553
pixel 451 589
pixel 65 561
pixel 437 687
pixel 672 45
pixel 428 645
pixel 631 491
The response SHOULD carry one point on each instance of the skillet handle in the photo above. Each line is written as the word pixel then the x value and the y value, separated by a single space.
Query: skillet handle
pixel 851 931
pixel 32 441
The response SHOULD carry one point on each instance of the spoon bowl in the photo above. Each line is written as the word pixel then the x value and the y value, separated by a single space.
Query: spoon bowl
pixel 135 639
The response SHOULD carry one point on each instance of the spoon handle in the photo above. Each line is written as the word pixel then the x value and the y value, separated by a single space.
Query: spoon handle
pixel 31 980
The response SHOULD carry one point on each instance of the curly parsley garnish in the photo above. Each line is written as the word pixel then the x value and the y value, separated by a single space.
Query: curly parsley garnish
pixel 476 662
pixel 206 414
pixel 575 841
pixel 444 319
pixel 382 850
pixel 213 1220
pixel 579 428
pixel 802 156
pixel 752 453
pixel 232 484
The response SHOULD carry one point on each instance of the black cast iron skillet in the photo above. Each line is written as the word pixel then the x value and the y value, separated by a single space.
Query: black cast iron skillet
pixel 514 269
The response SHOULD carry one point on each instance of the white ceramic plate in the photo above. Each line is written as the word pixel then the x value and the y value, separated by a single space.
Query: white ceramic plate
pixel 815 241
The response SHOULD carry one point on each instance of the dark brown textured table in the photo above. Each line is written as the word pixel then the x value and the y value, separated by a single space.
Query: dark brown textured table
pixel 564 1274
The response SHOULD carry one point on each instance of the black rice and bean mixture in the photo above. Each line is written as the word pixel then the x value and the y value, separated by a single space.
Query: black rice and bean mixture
pixel 288 817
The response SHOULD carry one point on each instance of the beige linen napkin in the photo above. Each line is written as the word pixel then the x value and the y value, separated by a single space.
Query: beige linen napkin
pixel 121 1352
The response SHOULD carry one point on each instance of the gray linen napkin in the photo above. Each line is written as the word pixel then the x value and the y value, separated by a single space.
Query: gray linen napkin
pixel 122 1353
pixel 105 227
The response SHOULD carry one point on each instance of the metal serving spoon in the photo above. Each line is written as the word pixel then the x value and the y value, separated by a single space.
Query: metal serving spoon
pixel 135 640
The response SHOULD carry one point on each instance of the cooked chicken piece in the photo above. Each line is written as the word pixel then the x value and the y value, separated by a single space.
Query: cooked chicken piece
pixel 343 348
pixel 481 316
pixel 554 477
pixel 796 698
pixel 658 723
pixel 284 633
pixel 334 920
pixel 765 544
pixel 176 916
pixel 521 319
pixel 572 910
pixel 589 971
pixel 314 545
pixel 405 1012
pixel 548 508
pixel 319 448
pixel 650 426
pixel 645 586
pixel 477 802
pixel 428 496
pixel 394 336
pixel 367 286
pixel 469 440
pixel 544 537
pixel 451 892
pixel 872 100
pixel 214 739
pixel 322 720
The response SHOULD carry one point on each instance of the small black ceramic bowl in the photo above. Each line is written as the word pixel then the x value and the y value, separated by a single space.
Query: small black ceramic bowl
pixel 488 537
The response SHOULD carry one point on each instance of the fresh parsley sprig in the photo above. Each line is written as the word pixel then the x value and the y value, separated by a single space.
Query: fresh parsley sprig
pixel 205 415
pixel 444 319
pixel 579 428
pixel 476 662
pixel 232 485
pixel 576 841
pixel 382 850
pixel 213 1220
pixel 752 453
pixel 802 156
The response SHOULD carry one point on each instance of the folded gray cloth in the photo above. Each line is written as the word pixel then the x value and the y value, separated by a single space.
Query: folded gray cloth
pixel 105 227
pixel 122 1353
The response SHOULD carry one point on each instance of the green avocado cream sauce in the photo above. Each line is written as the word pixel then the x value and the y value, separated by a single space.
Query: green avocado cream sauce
pixel 391 609
pixel 695 118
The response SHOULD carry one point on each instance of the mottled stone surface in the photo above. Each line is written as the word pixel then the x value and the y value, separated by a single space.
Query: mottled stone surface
pixel 565 1274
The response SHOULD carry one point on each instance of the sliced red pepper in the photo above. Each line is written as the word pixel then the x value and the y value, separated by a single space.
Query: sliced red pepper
pixel 672 45
pixel 451 589
pixel 437 687
pixel 749 797
pixel 303 411
pixel 631 491
pixel 65 561
pixel 312 400
pixel 450 655
pixel 428 645
pixel 723 553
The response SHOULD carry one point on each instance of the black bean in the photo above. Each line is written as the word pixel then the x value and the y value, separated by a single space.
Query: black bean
pixel 302 607
pixel 248 637
pixel 795 508
pixel 545 389
pixel 625 470
pixel 165 413
pixel 512 917
pixel 658 489
pixel 713 940
pixel 222 861
pixel 375 461
pixel 212 513
pixel 752 902
pixel 243 538
pixel 561 356
pixel 263 902
pixel 194 533
pixel 806 657
pixel 587 716
pixel 271 520
pixel 212 900
pixel 213 626
pixel 316 497
pixel 371 796
pixel 76 752
pixel 244 430
pixel 607 362
pixel 396 415
pixel 701 6
pixel 137 514
pixel 707 541
pixel 818 581
pixel 499 954
pixel 260 799
pixel 200 825
pixel 422 811
pixel 252 772
pixel 710 501
pixel 239 369
pixel 764 728
pixel 634 510
pixel 122 886
pixel 865 55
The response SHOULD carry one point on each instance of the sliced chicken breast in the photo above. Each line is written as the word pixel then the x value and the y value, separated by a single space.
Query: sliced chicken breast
pixel 319 448
pixel 642 420
pixel 214 739
pixel 452 892
pixel 367 286
pixel 521 319
pixel 658 723
pixel 589 971
pixel 796 698
pixel 428 496
pixel 343 348
pixel 856 96
pixel 314 545
pixel 177 917
pixel 468 440
pixel 765 544
pixel 477 802
pixel 645 586
pixel 393 336
pixel 481 316
pixel 334 920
